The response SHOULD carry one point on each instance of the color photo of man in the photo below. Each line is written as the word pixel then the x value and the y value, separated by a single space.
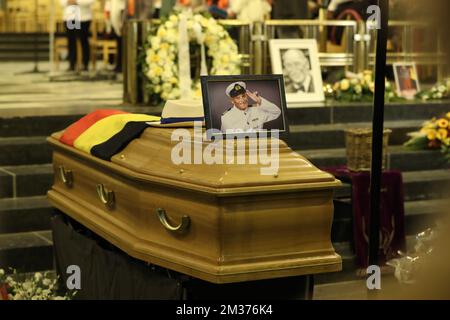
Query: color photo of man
pixel 406 80
pixel 297 72
pixel 245 117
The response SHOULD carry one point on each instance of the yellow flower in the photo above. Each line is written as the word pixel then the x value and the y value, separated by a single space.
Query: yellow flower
pixel 161 33
pixel 154 58
pixel 158 71
pixel 446 141
pixel 431 135
pixel 164 46
pixel 345 84
pixel 173 80
pixel 442 134
pixel 336 86
pixel 442 123
pixel 372 87
pixel 448 115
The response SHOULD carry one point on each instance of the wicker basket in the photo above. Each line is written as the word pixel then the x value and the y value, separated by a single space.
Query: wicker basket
pixel 359 148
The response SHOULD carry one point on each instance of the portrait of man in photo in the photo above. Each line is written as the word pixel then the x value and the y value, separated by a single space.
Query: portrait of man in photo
pixel 406 79
pixel 298 61
pixel 243 116
pixel 297 71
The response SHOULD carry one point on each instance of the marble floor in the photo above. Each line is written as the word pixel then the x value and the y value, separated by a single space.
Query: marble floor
pixel 35 94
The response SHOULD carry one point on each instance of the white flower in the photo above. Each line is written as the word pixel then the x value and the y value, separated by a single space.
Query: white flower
pixel 18 296
pixel 2 272
pixel 161 33
pixel 172 36
pixel 155 42
pixel 46 282
pixel 169 24
pixel 27 285
pixel 442 88
pixel 38 276
pixel 345 84
pixel 157 89
pixel 173 18
pixel 367 79
pixel 358 89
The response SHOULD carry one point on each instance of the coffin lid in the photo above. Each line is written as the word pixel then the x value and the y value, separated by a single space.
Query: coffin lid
pixel 149 158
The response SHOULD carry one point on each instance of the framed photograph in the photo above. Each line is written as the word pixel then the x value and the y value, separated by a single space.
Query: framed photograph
pixel 239 105
pixel 298 61
pixel 406 79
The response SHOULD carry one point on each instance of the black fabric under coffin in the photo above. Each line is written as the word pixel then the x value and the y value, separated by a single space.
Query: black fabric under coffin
pixel 119 141
pixel 106 273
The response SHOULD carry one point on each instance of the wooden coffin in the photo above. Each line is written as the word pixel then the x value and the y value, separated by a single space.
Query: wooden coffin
pixel 220 223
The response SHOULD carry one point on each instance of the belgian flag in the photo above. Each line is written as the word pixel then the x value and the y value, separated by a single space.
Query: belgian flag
pixel 104 133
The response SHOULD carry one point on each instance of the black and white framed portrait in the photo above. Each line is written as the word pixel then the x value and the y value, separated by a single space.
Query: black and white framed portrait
pixel 298 61
pixel 244 104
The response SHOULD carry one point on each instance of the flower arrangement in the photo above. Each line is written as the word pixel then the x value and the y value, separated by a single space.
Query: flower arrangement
pixel 357 87
pixel 161 61
pixel 38 287
pixel 439 91
pixel 434 134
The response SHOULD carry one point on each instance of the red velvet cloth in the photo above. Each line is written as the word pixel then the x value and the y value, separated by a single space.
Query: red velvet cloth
pixel 392 213
pixel 77 128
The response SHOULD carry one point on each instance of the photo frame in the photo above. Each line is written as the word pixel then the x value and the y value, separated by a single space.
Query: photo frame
pixel 406 79
pixel 243 105
pixel 298 61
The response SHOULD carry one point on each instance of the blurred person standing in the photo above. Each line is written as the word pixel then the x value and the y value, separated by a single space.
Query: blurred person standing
pixel 114 13
pixel 77 15
pixel 250 10
pixel 218 8
pixel 288 9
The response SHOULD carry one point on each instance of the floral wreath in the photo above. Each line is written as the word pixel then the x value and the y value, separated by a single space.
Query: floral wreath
pixel 161 61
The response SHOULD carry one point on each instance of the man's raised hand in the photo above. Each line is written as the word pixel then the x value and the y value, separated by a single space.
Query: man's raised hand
pixel 254 96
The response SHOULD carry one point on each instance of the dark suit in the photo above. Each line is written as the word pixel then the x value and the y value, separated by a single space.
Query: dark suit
pixel 291 87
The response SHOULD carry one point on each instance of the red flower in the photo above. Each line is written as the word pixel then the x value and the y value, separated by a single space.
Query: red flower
pixel 3 292
pixel 434 144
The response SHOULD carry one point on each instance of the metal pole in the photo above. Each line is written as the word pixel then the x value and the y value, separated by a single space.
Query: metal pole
pixel 52 37
pixel 377 137
pixel 35 39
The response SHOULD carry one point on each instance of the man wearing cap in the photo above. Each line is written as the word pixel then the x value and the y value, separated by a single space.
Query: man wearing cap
pixel 245 117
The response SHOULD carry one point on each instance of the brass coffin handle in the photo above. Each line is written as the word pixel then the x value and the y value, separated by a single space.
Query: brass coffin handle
pixel 106 196
pixel 181 228
pixel 66 176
